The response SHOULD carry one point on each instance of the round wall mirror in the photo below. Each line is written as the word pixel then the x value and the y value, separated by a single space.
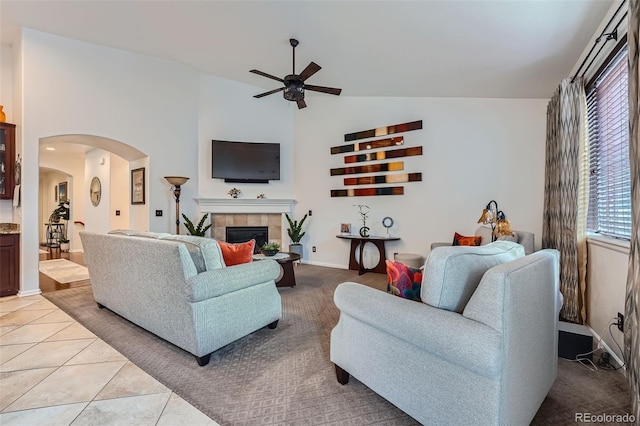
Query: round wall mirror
pixel 95 191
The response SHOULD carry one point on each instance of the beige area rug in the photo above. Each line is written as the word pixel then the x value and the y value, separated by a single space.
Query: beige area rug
pixel 63 270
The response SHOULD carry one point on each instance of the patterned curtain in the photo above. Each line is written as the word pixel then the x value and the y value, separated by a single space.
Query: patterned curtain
pixel 632 299
pixel 566 193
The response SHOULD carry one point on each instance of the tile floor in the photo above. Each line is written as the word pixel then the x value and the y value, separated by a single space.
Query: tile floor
pixel 53 371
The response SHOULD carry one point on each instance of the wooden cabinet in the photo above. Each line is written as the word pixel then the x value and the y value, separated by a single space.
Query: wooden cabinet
pixel 7 160
pixel 9 264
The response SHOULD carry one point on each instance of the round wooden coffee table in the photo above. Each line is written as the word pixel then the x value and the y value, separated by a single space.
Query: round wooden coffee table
pixel 287 278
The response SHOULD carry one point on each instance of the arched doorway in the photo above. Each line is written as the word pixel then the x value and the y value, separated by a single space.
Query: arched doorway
pixel 71 163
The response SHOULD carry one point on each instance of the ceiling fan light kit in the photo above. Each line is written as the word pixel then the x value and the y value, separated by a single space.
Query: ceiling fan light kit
pixel 294 86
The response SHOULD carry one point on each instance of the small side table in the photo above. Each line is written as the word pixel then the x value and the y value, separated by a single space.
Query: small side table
pixel 285 260
pixel 358 242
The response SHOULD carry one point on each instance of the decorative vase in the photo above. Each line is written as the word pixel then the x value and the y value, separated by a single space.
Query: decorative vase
pixel 296 248
pixel 364 232
pixel 3 116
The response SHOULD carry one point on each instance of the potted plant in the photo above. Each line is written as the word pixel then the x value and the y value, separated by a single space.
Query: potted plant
pixel 198 230
pixel 295 233
pixel 270 249
pixel 64 244
pixel 63 211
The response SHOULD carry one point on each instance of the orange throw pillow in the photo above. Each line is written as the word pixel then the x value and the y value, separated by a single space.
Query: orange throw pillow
pixel 235 254
pixel 461 240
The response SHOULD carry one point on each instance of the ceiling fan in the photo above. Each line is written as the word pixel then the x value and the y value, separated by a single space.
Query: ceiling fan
pixel 294 85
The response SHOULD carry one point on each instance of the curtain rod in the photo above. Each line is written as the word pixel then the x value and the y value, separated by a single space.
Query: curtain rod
pixel 613 35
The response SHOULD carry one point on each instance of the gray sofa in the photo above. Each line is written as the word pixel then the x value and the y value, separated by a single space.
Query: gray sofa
pixel 178 288
pixel 524 238
pixel 480 350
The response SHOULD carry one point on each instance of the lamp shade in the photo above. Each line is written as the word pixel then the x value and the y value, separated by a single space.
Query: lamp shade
pixel 486 217
pixel 176 180
pixel 503 227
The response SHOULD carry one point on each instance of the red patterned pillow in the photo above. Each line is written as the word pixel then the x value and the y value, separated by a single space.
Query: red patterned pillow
pixel 404 281
pixel 461 240
pixel 235 254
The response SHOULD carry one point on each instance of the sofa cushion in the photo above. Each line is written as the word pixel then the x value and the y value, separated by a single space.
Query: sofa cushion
pixel 461 240
pixel 136 233
pixel 452 273
pixel 235 254
pixel 205 252
pixel 404 280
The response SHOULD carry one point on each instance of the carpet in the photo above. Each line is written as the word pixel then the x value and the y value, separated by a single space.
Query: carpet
pixel 63 271
pixel 281 376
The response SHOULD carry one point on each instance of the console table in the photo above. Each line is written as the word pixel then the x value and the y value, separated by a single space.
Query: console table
pixel 357 243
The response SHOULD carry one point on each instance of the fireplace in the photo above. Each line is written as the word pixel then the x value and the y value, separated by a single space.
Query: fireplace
pixel 241 234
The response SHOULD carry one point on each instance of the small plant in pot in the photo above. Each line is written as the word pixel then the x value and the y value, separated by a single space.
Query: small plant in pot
pixel 270 249
pixel 198 230
pixel 295 233
pixel 64 244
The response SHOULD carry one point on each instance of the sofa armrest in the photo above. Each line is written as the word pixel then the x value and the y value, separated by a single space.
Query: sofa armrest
pixel 221 281
pixel 448 335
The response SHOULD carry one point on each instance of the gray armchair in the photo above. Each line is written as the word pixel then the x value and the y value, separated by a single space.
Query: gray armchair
pixel 524 238
pixel 490 361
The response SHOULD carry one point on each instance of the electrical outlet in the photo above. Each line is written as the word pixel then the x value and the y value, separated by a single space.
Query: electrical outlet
pixel 620 322
pixel 158 212
pixel 313 249
pixel 310 213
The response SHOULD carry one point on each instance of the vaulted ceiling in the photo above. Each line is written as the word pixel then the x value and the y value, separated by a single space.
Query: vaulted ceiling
pixel 464 48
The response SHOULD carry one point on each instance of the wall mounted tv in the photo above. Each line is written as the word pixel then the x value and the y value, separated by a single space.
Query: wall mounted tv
pixel 245 162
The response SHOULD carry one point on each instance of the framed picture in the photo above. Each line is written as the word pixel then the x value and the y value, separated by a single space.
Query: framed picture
pixel 137 186
pixel 345 228
pixel 62 192
pixel 55 193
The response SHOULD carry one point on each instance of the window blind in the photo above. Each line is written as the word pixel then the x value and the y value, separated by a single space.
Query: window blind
pixel 609 211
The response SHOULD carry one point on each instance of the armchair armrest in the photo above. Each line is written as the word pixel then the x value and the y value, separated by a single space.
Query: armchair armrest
pixel 221 281
pixel 439 244
pixel 448 335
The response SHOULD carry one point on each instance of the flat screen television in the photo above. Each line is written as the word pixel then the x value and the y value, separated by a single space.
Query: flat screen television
pixel 245 162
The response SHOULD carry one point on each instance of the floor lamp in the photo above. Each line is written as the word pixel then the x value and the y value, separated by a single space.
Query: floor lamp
pixel 495 217
pixel 176 182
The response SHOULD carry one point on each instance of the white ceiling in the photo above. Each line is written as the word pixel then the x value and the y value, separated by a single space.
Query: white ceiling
pixel 474 48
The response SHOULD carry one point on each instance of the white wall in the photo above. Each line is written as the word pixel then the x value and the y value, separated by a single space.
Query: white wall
pixel 153 105
pixel 73 87
pixel 97 164
pixel 229 112
pixel 119 196
pixel 474 150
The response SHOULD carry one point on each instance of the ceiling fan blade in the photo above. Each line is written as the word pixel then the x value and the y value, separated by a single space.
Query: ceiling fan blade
pixel 329 90
pixel 301 103
pixel 270 92
pixel 264 74
pixel 310 70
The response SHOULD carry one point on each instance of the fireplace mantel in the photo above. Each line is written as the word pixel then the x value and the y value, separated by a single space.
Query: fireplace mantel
pixel 245 205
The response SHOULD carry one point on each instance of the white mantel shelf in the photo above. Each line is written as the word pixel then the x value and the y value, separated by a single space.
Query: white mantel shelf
pixel 245 205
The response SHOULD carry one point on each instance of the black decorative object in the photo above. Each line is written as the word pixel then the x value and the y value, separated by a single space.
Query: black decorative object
pixel 294 85
pixel 364 232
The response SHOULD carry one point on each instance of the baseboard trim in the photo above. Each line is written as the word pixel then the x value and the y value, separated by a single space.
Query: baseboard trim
pixel 328 265
pixel 29 293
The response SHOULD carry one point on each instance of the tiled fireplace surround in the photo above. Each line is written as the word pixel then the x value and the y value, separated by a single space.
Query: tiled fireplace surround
pixel 247 212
